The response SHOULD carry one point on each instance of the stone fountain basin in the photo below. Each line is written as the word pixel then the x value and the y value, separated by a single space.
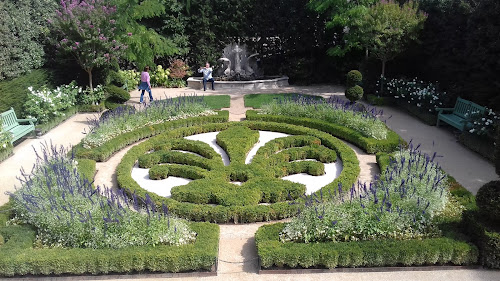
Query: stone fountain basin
pixel 271 83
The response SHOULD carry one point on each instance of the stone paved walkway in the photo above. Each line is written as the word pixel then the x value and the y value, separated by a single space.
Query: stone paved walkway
pixel 237 253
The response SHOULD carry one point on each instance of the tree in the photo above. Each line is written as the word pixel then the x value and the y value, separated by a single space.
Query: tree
pixel 388 28
pixel 86 30
pixel 144 43
pixel 23 27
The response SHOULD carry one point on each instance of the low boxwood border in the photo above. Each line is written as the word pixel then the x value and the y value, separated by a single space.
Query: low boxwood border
pixel 241 214
pixel 433 251
pixel 370 145
pixel 6 153
pixel 17 257
pixel 487 239
pixel 105 151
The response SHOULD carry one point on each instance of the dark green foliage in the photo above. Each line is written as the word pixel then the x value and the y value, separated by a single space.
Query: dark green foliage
pixel 117 94
pixel 487 238
pixel 370 145
pixel 488 201
pixel 431 251
pixel 258 100
pixel 354 77
pixel 19 258
pixel 497 151
pixel 87 168
pixel 158 172
pixel 13 93
pixel 354 93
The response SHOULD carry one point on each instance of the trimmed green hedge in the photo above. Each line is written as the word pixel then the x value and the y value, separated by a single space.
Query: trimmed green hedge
pixel 487 239
pixel 370 145
pixel 377 253
pixel 18 257
pixel 103 152
pixel 242 208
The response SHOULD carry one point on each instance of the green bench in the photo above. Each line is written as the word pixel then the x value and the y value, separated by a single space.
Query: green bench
pixel 11 124
pixel 457 116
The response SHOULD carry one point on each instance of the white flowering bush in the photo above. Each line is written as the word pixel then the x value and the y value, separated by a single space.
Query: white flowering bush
pixel 402 204
pixel 67 211
pixel 130 79
pixel 127 119
pixel 44 104
pixel 333 110
pixel 482 124
pixel 91 97
pixel 414 92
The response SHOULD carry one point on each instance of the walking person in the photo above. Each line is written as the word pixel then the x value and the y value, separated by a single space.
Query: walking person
pixel 207 75
pixel 145 84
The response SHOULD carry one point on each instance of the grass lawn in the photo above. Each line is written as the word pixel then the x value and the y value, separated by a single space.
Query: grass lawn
pixel 257 100
pixel 218 102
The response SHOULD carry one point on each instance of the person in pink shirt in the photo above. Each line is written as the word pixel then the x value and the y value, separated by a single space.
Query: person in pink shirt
pixel 145 84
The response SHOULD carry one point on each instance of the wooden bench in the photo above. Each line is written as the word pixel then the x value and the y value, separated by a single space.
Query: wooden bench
pixel 459 114
pixel 11 124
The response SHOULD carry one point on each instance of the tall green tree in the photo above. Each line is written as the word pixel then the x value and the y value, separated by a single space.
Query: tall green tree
pixel 388 28
pixel 144 43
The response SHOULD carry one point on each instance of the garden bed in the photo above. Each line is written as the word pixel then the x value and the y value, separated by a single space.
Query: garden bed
pixel 429 118
pixel 481 145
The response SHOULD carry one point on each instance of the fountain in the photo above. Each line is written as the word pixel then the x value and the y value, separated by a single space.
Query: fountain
pixel 239 70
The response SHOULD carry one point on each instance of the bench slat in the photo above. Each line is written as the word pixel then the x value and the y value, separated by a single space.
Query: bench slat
pixel 10 123
pixel 463 108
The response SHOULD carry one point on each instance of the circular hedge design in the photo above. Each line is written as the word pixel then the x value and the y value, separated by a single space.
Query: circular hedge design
pixel 263 195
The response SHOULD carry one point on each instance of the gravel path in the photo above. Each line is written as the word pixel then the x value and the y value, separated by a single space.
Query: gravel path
pixel 237 253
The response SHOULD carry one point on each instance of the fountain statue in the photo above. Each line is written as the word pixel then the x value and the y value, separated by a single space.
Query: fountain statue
pixel 239 69
pixel 236 65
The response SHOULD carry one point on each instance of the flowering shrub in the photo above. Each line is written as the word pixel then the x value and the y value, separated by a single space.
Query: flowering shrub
pixel 92 96
pixel 5 139
pixel 483 124
pixel 67 211
pixel 415 92
pixel 179 69
pixel 125 119
pixel 402 204
pixel 45 104
pixel 333 110
pixel 130 79
pixel 159 77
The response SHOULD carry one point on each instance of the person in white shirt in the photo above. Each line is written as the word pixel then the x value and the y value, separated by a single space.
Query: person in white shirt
pixel 207 75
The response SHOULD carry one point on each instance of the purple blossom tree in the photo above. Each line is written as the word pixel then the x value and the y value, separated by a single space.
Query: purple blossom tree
pixel 85 29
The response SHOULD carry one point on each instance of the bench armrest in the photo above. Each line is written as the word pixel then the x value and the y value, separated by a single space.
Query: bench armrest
pixel 30 120
pixel 441 109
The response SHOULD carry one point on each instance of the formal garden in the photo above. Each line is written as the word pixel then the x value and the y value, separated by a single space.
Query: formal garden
pixel 151 186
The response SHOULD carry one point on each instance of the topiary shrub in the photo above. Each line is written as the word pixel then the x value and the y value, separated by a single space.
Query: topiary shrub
pixel 488 200
pixel 117 94
pixel 354 92
pixel 158 172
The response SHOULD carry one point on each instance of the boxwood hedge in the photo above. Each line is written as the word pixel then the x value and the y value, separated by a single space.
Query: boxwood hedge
pixel 433 251
pixel 370 145
pixel 240 206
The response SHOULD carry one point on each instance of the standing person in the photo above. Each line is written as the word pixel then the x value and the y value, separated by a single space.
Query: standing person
pixel 145 84
pixel 207 76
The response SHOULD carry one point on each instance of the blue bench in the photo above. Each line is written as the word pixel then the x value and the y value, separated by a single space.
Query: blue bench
pixel 11 124
pixel 457 116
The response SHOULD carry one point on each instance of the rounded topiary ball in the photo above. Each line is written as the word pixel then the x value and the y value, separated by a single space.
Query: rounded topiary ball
pixel 354 93
pixel 354 77
pixel 488 200
pixel 117 94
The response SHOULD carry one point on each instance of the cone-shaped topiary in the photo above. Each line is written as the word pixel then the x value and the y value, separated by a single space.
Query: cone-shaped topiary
pixel 488 200
pixel 354 92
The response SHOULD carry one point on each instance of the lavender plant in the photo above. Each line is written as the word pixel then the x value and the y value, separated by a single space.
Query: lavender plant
pixel 333 110
pixel 123 119
pixel 68 212
pixel 402 204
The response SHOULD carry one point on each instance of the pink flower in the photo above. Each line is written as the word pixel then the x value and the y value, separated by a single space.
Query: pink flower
pixel 77 43
pixel 64 40
pixel 129 34
pixel 112 21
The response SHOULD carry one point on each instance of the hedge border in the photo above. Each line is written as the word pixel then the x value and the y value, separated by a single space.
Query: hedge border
pixel 487 239
pixel 369 145
pixel 242 214
pixel 378 253
pixel 105 151
pixel 18 258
